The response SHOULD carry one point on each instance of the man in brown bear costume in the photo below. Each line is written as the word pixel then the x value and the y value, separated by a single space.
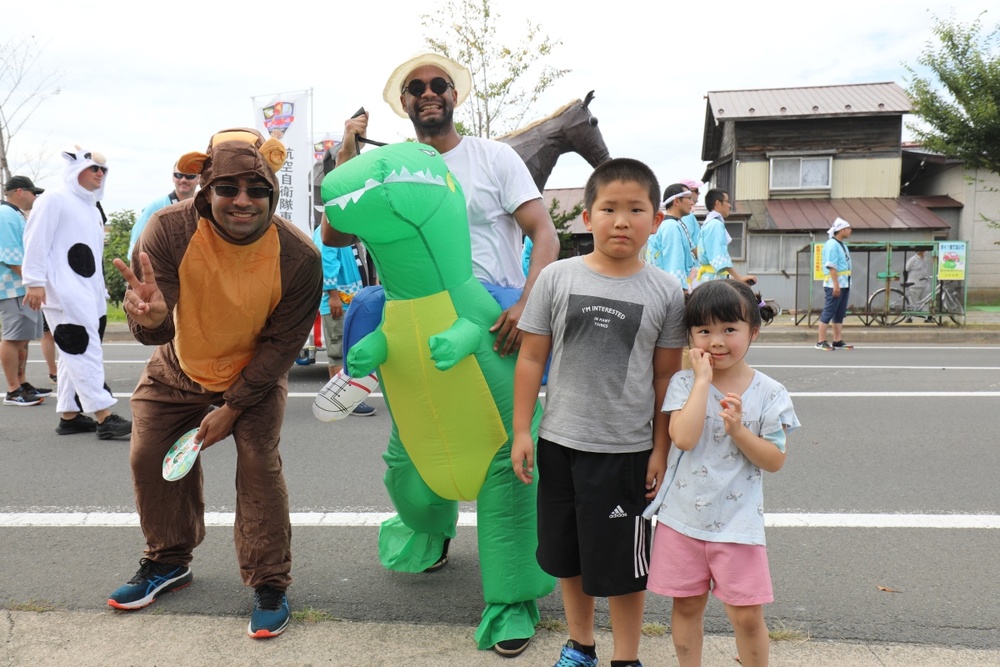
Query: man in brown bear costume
pixel 228 291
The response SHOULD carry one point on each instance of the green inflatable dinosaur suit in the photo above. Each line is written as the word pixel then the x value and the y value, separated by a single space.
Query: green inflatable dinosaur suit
pixel 450 395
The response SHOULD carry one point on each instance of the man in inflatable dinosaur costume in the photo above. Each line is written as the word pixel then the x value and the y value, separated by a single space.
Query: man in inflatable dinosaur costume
pixel 228 291
pixel 449 393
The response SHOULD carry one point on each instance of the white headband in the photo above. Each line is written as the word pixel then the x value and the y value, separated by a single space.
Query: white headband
pixel 666 202
pixel 838 224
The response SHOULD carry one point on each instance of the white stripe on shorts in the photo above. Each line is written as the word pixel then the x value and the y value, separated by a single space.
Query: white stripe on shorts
pixel 640 560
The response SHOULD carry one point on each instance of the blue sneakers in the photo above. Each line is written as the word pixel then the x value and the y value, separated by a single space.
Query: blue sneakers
pixel 20 398
pixel 363 410
pixel 571 657
pixel 270 612
pixel 152 579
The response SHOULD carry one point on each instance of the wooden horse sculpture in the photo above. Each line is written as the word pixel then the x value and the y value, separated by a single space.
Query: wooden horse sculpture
pixel 571 129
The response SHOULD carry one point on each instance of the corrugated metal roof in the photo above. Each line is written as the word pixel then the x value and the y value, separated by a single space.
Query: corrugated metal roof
pixel 861 99
pixel 818 214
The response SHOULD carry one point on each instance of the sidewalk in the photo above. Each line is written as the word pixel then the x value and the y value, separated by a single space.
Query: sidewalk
pixel 113 639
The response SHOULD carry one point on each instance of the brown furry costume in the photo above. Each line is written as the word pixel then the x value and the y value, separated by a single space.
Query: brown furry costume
pixel 238 311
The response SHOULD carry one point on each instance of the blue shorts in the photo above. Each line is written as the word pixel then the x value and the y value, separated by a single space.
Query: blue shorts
pixel 835 308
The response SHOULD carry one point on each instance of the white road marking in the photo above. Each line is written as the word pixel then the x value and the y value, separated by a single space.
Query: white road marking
pixel 374 519
pixel 865 346
pixel 794 394
pixel 879 368
pixel 894 394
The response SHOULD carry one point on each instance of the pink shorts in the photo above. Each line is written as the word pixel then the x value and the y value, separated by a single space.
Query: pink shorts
pixel 682 567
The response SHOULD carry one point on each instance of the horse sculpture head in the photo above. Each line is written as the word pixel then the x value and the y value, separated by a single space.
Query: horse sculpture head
pixel 571 129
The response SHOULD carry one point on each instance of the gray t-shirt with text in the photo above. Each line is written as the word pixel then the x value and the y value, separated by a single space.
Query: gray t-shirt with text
pixel 599 396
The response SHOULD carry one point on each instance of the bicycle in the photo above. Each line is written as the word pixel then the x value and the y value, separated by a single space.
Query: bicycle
pixel 890 306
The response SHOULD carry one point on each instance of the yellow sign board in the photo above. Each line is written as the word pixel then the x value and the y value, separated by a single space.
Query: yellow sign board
pixel 818 261
pixel 951 260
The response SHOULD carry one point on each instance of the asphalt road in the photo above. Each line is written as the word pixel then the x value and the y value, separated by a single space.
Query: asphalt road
pixel 888 432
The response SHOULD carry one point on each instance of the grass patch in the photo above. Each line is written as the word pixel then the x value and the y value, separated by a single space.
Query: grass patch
pixel 552 625
pixel 312 615
pixel 784 633
pixel 654 629
pixel 115 312
pixel 39 606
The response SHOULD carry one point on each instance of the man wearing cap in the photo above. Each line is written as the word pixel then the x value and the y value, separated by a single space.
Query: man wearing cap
pixel 227 291
pixel 836 286
pixel 504 206
pixel 20 324
pixel 63 275
pixel 184 188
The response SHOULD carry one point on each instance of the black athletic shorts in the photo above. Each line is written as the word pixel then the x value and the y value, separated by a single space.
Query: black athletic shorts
pixel 590 518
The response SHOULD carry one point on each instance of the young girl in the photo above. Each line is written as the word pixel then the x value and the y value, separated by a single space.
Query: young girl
pixel 727 423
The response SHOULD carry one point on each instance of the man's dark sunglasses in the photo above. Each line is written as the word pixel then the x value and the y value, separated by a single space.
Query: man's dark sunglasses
pixel 178 175
pixel 233 191
pixel 96 168
pixel 439 85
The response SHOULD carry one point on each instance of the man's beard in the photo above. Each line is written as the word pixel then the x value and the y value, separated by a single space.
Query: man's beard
pixel 432 128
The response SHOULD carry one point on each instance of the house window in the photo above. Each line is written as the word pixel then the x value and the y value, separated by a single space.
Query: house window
pixel 773 253
pixel 800 173
pixel 737 247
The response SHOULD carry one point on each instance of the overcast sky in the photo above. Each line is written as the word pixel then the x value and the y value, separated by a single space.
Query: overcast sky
pixel 145 90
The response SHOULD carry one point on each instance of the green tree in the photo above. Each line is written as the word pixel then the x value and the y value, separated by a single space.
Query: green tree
pixel 506 79
pixel 561 219
pixel 959 101
pixel 116 245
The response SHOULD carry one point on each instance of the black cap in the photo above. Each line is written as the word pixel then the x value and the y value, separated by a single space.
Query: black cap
pixel 22 183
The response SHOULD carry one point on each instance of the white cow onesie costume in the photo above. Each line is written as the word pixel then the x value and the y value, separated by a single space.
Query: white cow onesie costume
pixel 63 252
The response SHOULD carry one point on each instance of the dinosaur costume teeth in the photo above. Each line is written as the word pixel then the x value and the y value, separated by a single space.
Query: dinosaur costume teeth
pixel 404 176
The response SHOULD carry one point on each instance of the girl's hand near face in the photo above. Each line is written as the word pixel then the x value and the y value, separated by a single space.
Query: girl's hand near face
pixel 701 364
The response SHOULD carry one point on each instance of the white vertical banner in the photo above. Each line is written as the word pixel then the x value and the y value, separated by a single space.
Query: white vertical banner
pixel 286 117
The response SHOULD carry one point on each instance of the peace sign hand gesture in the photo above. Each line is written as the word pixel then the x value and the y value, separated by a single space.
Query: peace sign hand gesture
pixel 144 302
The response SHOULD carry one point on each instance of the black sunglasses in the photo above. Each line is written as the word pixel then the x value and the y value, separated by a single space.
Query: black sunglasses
pixel 416 87
pixel 178 175
pixel 96 168
pixel 233 191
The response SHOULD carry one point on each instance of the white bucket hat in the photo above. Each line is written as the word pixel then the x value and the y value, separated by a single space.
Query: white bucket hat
pixel 458 74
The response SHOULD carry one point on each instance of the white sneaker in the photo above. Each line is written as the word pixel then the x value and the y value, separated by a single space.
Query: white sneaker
pixel 341 395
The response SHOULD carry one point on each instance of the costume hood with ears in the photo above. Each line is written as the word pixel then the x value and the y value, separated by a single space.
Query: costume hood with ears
pixel 240 152
pixel 80 159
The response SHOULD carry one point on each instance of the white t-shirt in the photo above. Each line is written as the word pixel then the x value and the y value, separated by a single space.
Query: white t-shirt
pixel 495 182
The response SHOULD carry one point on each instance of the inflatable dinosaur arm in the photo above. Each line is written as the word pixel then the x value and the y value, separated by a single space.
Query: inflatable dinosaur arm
pixel 459 341
pixel 367 354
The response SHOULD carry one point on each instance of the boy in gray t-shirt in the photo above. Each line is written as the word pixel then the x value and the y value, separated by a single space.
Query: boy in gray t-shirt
pixel 615 327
